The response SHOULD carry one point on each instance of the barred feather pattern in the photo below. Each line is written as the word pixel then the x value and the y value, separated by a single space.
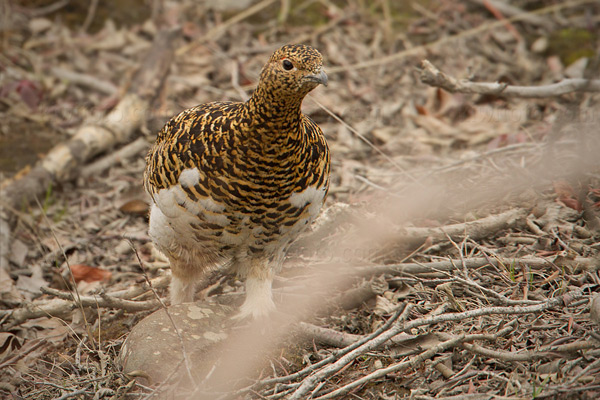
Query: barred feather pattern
pixel 237 182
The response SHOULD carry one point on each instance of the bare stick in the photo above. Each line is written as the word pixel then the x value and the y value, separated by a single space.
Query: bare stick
pixel 85 80
pixel 184 353
pixel 443 267
pixel 329 337
pixel 432 76
pixel 511 11
pixel 313 380
pixel 476 230
pixel 509 355
pixel 450 341
pixel 400 313
pixel 90 15
pixel 137 290
pixel 5 279
pixel 499 298
pixel 104 300
pixel 586 370
pixel 75 393
pixel 130 150
pixel 64 305
pixel 395 367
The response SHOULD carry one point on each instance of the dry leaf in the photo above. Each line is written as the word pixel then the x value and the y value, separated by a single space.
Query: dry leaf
pixel 566 195
pixel 86 273
pixel 30 92
pixel 384 306
pixel 29 286
pixel 18 252
pixel 135 206
pixel 8 343
pixel 54 330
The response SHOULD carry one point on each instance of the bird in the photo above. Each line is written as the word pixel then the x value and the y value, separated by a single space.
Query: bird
pixel 232 184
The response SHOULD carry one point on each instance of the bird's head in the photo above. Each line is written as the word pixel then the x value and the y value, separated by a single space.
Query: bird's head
pixel 294 70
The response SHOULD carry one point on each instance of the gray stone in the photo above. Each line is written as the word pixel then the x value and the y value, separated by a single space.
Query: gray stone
pixel 155 350
pixel 223 352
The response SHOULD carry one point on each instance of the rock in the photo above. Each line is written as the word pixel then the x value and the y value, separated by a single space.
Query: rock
pixel 222 352
pixel 154 347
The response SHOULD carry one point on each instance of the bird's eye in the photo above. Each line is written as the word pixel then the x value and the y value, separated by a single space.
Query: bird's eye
pixel 287 65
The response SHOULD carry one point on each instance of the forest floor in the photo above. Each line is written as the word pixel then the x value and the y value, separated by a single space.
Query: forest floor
pixel 458 253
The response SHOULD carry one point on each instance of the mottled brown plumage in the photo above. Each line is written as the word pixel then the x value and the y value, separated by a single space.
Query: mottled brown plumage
pixel 237 182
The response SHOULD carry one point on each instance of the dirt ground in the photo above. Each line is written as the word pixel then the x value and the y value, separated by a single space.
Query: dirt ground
pixel 458 240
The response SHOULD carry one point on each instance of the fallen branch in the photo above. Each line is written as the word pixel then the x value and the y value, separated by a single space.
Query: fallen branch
pixel 130 150
pixel 137 290
pixel 102 300
pixel 63 162
pixel 432 76
pixel 331 337
pixel 328 337
pixel 354 297
pixel 442 268
pixel 65 303
pixel 91 82
pixel 475 230
pixel 508 356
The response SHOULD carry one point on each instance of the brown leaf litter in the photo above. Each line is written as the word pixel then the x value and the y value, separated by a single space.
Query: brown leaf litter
pixel 457 256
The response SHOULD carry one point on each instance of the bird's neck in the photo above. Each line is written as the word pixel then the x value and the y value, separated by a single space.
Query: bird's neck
pixel 271 114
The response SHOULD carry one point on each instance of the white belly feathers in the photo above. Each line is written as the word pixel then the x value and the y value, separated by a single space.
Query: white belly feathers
pixel 176 216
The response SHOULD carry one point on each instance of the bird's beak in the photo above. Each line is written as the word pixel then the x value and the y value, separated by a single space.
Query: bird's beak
pixel 320 77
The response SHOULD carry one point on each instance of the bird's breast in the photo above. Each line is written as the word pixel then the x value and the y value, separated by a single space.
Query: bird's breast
pixel 232 213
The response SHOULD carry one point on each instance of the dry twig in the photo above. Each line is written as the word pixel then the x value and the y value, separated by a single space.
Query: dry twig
pixel 64 304
pixel 311 382
pixel 432 76
pixel 443 267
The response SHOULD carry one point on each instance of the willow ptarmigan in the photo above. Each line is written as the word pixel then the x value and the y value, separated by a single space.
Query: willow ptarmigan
pixel 234 183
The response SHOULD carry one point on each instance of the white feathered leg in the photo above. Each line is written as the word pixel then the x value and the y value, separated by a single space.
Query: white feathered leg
pixel 259 296
pixel 181 291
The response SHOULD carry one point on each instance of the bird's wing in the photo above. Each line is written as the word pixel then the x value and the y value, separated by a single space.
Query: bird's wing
pixel 184 142
pixel 318 153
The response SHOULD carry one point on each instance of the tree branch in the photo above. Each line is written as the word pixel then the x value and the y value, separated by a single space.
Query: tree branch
pixel 432 76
